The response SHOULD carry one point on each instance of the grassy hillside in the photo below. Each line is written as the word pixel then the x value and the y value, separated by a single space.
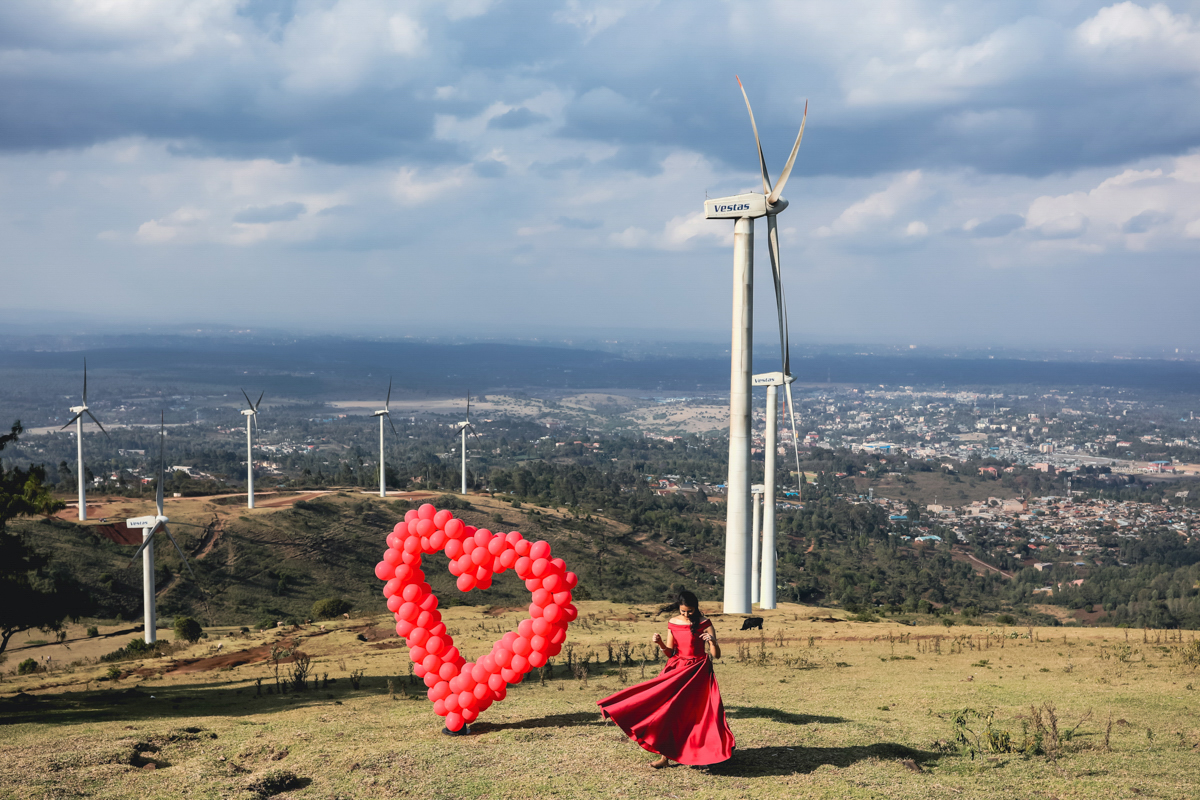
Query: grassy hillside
pixel 821 707
pixel 273 562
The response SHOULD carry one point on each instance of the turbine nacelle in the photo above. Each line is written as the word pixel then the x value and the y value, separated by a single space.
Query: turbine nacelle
pixel 750 205
pixel 247 412
pixel 145 522
pixel 772 379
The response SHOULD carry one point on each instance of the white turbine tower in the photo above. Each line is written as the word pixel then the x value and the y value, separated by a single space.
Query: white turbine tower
pixel 150 526
pixel 79 411
pixel 463 427
pixel 763 581
pixel 381 413
pixel 251 415
pixel 744 209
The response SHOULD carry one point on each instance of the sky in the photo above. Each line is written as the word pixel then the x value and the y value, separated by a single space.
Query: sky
pixel 1004 173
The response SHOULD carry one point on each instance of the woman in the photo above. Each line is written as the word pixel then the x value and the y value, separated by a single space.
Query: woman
pixel 679 714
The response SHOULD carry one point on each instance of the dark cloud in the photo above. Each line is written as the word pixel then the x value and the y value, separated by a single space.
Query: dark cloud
pixel 284 212
pixel 516 119
pixel 490 168
pixel 1144 221
pixel 997 226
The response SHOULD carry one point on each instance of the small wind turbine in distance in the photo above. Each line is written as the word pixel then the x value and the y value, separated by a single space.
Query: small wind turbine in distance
pixel 744 209
pixel 79 411
pixel 150 526
pixel 381 413
pixel 251 415
pixel 465 426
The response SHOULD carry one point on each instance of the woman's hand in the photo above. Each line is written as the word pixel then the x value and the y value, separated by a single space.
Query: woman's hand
pixel 657 639
pixel 707 636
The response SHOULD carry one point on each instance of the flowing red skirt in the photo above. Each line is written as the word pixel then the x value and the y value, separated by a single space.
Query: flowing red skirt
pixel 678 714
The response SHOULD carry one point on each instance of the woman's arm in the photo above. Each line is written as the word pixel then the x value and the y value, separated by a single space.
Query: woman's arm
pixel 710 636
pixel 668 646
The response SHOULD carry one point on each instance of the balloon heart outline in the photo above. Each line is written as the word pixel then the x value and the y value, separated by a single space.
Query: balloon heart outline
pixel 459 689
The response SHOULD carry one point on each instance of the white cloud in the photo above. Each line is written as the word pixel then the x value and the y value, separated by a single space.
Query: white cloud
pixel 916 228
pixel 876 208
pixel 409 188
pixel 1154 38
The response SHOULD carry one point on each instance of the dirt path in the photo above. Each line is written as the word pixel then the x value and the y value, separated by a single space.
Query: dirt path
pixel 976 562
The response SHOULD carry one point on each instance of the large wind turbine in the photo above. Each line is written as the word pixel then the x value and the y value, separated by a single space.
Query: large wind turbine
pixel 381 413
pixel 79 411
pixel 251 415
pixel 465 426
pixel 744 209
pixel 150 526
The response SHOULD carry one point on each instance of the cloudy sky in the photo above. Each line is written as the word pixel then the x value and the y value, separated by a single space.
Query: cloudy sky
pixel 1006 173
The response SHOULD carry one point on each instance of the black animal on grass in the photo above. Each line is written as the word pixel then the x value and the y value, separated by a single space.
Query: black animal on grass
pixel 750 623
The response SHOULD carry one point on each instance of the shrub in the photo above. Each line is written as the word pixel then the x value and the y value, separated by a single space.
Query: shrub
pixel 187 629
pixel 27 667
pixel 1006 619
pixel 93 631
pixel 329 608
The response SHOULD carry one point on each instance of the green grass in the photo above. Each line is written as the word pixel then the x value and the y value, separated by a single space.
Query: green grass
pixel 819 709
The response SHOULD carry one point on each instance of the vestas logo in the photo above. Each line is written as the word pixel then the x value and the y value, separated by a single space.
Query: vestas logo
pixel 723 208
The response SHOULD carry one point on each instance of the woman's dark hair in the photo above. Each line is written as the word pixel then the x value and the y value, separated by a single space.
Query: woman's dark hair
pixel 690 600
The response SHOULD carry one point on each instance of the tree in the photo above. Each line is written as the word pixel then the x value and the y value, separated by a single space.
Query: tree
pixel 187 629
pixel 329 608
pixel 32 594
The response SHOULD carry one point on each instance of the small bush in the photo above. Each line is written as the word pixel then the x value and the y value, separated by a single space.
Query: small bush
pixel 329 608
pixel 188 630
pixel 27 667
pixel 1006 619
pixel 93 631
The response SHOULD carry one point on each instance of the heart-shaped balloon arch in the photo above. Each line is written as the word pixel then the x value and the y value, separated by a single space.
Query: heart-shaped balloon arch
pixel 461 689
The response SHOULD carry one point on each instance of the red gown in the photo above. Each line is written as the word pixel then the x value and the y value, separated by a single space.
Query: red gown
pixel 678 714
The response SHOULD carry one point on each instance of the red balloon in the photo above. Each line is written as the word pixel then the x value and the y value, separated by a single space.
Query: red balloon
pixel 419 670
pixel 454 549
pixel 558 564
pixel 391 587
pixel 401 528
pixel 480 555
pixel 469 714
pixel 442 517
pixel 525 629
pixel 562 598
pixel 448 671
pixel 507 639
pixel 485 582
pixel 466 582
pixel 394 602
pixel 539 567
pixel 510 676
pixel 451 702
pixel 395 541
pixel 520 664
pixel 425 527
pixel 523 547
pixel 418 637
pixel 465 699
pixel 554 650
pixel 537 659
pixel 427 619
pixel 430 679
pixel 508 558
pixel 432 664
pixel 535 611
pixel 482 572
pixel 439 707
pixel 504 658
pixel 429 603
pixel 403 573
pixel 495 683
pixel 552 613
pixel 481 690
pixel 540 626
pixel 539 644
pixel 539 550
pixel 500 693
pixel 454 721
pixel 559 636
pixel 439 628
pixel 435 644
pixel 392 556
pixel 426 511
pixel 570 612
pixel 572 580
pixel 482 537
pixel 454 568
pixel 540 598
pixel 455 528
pixel 410 515
pixel 497 546
pixel 413 558
pixel 522 565
pixel 408 611
pixel 521 647
pixel 437 540
pixel 533 584
pixel 411 593
pixel 412 544
pixel 553 582
pixel 479 673
pixel 456 684
pixel 403 628
pixel 453 656
pixel 488 663
pixel 513 537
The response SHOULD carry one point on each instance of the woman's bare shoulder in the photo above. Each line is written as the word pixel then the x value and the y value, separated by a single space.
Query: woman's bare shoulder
pixel 680 621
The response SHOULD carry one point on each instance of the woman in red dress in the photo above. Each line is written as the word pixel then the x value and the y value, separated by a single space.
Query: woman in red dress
pixel 679 714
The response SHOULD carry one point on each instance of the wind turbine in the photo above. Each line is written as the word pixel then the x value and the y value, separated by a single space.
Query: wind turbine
pixel 464 426
pixel 251 415
pixel 79 411
pixel 381 413
pixel 151 526
pixel 744 209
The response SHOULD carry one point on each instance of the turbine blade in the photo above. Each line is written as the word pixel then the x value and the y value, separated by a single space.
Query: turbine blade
pixel 795 435
pixel 777 276
pixel 162 469
pixel 98 425
pixel 77 416
pixel 389 419
pixel 791 162
pixel 145 543
pixel 85 381
pixel 182 557
pixel 389 396
pixel 248 403
pixel 762 162
pixel 260 397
